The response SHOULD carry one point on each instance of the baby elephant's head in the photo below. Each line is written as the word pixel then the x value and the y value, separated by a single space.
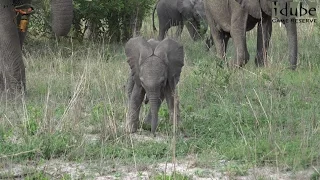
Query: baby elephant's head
pixel 153 74
pixel 155 64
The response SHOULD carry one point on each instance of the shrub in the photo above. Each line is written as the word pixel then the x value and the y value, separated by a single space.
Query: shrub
pixel 115 20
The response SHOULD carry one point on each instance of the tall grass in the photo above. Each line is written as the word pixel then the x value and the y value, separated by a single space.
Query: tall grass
pixel 76 104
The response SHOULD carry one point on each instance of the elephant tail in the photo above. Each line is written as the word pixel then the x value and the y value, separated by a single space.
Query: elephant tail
pixel 154 10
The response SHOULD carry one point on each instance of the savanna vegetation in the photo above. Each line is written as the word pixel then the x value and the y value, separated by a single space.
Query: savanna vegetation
pixel 75 107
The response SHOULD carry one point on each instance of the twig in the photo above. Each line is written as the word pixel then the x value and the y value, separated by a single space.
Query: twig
pixel 17 154
pixel 17 176
pixel 174 134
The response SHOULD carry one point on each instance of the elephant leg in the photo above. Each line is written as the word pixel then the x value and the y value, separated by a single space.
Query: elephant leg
pixel 194 30
pixel 263 39
pixel 130 85
pixel 62 16
pixel 216 34
pixel 134 109
pixel 226 37
pixel 161 34
pixel 292 44
pixel 238 34
pixel 164 25
pixel 170 102
pixel 220 41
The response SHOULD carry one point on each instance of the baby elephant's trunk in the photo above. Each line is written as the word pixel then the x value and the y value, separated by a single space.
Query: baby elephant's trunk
pixel 154 105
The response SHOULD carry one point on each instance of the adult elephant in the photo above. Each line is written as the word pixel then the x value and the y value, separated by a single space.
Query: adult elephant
pixel 232 18
pixel 14 15
pixel 176 12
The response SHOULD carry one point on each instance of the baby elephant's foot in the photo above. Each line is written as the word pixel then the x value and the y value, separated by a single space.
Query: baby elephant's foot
pixel 147 122
pixel 146 126
pixel 131 127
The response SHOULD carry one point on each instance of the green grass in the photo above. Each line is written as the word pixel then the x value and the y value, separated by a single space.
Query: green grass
pixel 176 176
pixel 252 116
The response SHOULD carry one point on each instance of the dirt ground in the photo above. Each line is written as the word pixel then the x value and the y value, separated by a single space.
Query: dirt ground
pixel 57 169
pixel 100 170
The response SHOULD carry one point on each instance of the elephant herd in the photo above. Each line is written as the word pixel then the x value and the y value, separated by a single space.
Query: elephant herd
pixel 227 18
pixel 155 64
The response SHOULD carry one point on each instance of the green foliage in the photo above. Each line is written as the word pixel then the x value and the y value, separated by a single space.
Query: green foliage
pixel 113 19
pixel 37 176
pixel 39 24
pixel 315 176
pixel 34 117
pixel 55 145
pixel 173 176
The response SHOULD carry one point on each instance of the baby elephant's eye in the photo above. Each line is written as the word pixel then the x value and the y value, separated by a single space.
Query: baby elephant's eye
pixel 162 80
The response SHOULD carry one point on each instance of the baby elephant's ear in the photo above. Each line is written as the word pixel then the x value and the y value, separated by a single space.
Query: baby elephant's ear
pixel 154 43
pixel 137 51
pixel 172 53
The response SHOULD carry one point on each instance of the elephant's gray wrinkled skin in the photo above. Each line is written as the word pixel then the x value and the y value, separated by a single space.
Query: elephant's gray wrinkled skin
pixel 155 72
pixel 233 18
pixel 180 12
pixel 12 69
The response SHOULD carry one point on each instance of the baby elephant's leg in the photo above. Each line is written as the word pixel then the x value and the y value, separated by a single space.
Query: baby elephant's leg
pixel 172 99
pixel 130 84
pixel 173 105
pixel 135 102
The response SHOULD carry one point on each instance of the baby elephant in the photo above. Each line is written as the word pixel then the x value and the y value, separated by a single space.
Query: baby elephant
pixel 155 72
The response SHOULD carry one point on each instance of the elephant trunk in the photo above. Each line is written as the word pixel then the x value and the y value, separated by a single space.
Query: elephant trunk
pixel 292 44
pixel 62 16
pixel 154 106
pixel 12 69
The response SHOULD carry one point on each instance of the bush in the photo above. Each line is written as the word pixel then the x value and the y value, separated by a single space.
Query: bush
pixel 39 24
pixel 115 20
